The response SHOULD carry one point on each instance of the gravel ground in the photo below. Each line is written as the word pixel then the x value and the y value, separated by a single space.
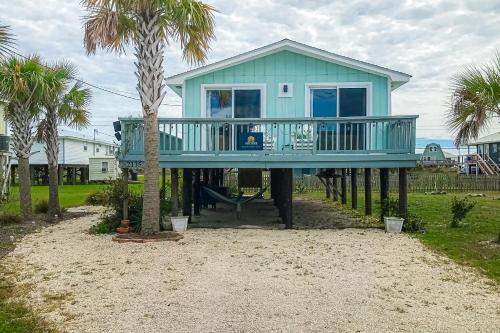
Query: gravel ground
pixel 251 280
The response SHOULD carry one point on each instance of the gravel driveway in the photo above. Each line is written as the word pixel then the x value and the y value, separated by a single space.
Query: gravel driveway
pixel 231 280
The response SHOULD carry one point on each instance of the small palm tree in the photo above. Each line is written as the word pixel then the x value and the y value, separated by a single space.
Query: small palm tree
pixel 6 40
pixel 475 101
pixel 22 85
pixel 62 104
pixel 149 25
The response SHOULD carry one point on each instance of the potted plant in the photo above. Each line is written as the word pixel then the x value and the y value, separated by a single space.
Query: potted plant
pixel 179 223
pixel 392 222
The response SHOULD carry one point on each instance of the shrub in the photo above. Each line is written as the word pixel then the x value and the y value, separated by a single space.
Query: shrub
pixel 96 199
pixel 459 209
pixel 6 218
pixel 111 219
pixel 412 222
pixel 41 207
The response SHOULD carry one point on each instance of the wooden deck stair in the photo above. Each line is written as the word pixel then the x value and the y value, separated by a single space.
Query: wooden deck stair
pixel 487 165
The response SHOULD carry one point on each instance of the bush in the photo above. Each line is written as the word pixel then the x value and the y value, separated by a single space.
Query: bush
pixel 41 207
pixel 412 223
pixel 6 218
pixel 96 199
pixel 111 219
pixel 459 209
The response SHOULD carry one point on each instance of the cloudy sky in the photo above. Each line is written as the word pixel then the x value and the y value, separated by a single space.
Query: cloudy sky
pixel 431 40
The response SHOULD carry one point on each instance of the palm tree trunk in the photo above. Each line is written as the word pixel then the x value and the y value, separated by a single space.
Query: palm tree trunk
pixel 149 53
pixel 22 140
pixel 52 151
pixel 25 188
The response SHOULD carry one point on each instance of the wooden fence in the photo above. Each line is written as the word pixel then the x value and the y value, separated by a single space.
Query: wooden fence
pixel 417 182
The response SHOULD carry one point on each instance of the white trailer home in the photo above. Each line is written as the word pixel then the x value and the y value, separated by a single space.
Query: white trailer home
pixel 103 168
pixel 75 152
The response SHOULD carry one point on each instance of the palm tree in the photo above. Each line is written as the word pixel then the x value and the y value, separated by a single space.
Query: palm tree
pixel 149 25
pixel 6 40
pixel 475 101
pixel 62 105
pixel 22 85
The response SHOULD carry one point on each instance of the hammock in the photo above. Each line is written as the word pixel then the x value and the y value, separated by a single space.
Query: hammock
pixel 238 202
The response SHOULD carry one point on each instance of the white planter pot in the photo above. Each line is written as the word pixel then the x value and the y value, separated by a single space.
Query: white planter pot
pixel 393 224
pixel 179 223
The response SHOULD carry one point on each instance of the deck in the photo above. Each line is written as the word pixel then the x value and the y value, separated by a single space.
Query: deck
pixel 350 142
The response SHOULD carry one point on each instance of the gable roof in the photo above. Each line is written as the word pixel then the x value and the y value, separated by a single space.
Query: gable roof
pixel 492 138
pixel 397 78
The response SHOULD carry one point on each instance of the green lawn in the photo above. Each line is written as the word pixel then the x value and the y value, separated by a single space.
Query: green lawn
pixel 470 244
pixel 69 195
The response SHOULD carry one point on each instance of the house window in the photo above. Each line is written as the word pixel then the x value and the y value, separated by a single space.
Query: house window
pixel 234 103
pixel 104 168
pixel 346 100
pixel 85 147
pixel 97 148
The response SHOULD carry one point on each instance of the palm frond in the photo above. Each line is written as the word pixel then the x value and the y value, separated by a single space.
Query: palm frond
pixel 192 24
pixel 7 41
pixel 475 99
pixel 73 110
pixel 108 26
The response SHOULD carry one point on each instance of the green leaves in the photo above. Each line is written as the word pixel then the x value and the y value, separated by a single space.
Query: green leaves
pixel 113 24
pixel 7 40
pixel 475 100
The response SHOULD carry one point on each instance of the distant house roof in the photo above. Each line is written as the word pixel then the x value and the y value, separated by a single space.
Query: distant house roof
pixel 397 78
pixel 64 133
pixel 449 155
pixel 492 138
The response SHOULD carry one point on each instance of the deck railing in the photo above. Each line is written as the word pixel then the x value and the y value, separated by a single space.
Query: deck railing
pixel 349 135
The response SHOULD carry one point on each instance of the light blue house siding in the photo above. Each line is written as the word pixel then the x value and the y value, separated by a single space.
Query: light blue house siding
pixel 285 67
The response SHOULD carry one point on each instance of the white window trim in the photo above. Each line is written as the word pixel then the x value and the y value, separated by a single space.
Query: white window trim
pixel 331 85
pixel 233 87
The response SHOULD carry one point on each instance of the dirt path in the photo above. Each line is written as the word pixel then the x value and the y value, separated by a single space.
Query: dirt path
pixel 229 280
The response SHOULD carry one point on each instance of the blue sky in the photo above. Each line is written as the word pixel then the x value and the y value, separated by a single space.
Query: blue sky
pixel 431 40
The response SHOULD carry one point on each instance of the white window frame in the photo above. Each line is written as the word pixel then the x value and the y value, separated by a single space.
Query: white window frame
pixel 233 87
pixel 230 86
pixel 103 170
pixel 337 86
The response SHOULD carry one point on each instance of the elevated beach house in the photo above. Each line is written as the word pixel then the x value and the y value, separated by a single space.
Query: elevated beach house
pixel 280 107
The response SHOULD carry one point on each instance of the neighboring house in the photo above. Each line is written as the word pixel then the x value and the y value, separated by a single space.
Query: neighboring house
pixel 433 155
pixel 75 151
pixel 486 160
pixel 283 106
pixel 488 147
pixel 103 168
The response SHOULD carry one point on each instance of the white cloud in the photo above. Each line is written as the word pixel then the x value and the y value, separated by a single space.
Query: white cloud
pixel 432 40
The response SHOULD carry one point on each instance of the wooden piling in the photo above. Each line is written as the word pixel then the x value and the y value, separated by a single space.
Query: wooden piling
pixel 287 188
pixel 187 195
pixel 197 192
pixel 354 188
pixel 403 192
pixel 174 191
pixel 384 191
pixel 368 191
pixel 343 185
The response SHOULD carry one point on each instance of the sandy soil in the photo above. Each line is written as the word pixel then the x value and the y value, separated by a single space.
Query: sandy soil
pixel 237 280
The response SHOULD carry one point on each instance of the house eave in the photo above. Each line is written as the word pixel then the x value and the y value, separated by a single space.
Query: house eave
pixel 397 78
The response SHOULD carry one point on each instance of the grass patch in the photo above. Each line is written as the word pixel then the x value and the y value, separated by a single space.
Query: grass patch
pixel 69 195
pixel 470 244
pixel 16 317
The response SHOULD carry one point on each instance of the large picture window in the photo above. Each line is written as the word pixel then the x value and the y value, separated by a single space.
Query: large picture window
pixel 350 100
pixel 231 102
